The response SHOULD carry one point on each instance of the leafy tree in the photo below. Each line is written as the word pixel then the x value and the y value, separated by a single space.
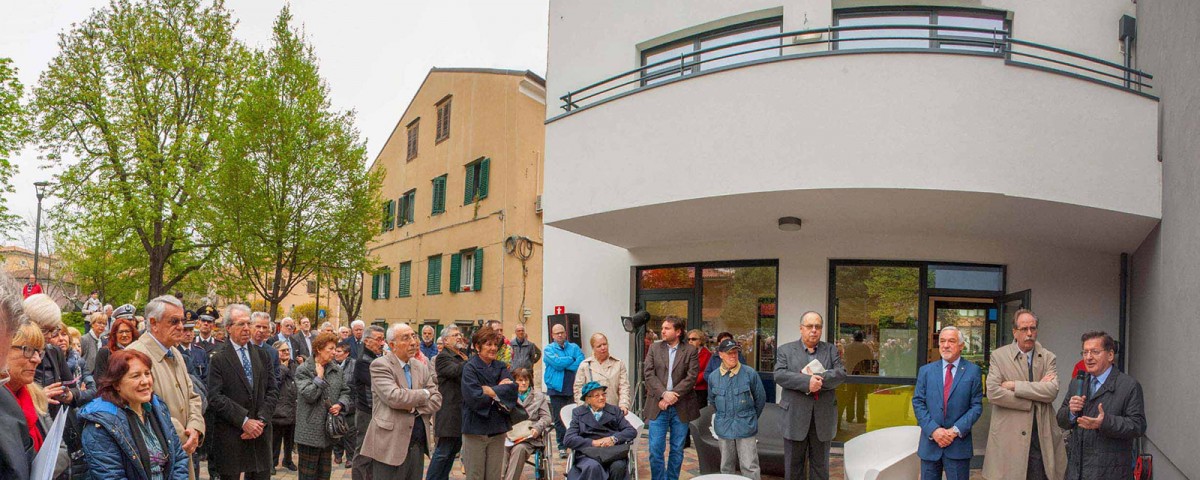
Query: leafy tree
pixel 131 113
pixel 14 130
pixel 294 192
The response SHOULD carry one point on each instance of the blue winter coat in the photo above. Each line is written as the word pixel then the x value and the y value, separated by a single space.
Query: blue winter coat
pixel 108 443
pixel 739 400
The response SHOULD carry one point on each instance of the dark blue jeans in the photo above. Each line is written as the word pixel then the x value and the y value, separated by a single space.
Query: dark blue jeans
pixel 667 422
pixel 557 402
pixel 442 460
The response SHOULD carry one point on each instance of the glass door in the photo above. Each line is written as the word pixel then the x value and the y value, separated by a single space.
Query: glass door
pixel 1009 304
pixel 974 317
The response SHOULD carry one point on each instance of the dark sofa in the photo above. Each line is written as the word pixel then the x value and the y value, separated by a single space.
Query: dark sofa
pixel 770 441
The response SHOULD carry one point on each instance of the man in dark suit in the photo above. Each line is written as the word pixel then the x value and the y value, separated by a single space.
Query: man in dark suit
pixel 16 447
pixel 302 341
pixel 808 400
pixel 1107 420
pixel 670 369
pixel 242 397
pixel 947 401
pixel 447 425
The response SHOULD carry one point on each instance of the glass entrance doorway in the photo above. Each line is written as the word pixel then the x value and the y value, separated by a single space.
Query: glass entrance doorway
pixel 974 317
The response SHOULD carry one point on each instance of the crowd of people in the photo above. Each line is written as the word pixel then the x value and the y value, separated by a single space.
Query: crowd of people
pixel 153 396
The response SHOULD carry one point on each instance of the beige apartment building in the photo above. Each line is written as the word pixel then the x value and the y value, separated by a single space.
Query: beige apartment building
pixel 461 239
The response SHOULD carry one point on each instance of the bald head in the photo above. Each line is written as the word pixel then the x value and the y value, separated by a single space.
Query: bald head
pixel 559 333
pixel 403 341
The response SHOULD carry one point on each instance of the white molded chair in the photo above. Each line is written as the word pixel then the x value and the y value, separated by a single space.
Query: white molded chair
pixel 634 420
pixel 884 454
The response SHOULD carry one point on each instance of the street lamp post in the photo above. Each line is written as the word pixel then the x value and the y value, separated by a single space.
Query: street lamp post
pixel 37 232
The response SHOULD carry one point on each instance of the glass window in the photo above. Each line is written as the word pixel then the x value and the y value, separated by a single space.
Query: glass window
pixel 875 318
pixel 966 277
pixel 922 37
pixel 741 301
pixel 848 38
pixel 865 407
pixel 971 319
pixel 661 278
pixel 722 57
pixel 468 270
pixel 741 53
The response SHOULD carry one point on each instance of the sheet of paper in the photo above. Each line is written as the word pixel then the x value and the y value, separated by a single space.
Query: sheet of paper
pixel 813 368
pixel 47 457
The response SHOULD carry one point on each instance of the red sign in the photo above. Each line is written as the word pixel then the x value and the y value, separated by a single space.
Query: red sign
pixel 560 309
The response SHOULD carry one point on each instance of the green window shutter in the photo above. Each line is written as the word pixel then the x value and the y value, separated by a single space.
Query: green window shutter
pixel 375 286
pixel 439 195
pixel 405 279
pixel 387 284
pixel 469 189
pixel 400 209
pixel 477 282
pixel 434 278
pixel 484 167
pixel 455 272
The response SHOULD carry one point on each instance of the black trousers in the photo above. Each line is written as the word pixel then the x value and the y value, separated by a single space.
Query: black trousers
pixel 812 451
pixel 411 469
pixel 1036 470
pixel 282 441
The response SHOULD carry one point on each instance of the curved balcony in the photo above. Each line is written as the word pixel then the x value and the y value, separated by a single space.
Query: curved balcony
pixel 1039 145
pixel 857 39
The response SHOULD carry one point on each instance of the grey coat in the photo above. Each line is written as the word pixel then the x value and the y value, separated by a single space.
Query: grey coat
pixel 537 405
pixel 88 346
pixel 1108 452
pixel 800 406
pixel 314 396
pixel 525 354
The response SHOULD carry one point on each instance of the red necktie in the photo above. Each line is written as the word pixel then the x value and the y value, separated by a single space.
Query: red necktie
pixel 946 387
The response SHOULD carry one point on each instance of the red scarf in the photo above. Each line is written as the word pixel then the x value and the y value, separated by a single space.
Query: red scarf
pixel 31 416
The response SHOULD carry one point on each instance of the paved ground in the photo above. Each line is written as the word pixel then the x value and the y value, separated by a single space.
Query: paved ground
pixel 691 468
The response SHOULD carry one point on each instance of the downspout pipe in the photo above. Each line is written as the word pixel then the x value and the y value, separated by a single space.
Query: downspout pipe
pixel 1123 316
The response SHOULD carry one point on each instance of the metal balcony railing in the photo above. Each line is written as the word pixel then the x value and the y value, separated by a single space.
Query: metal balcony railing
pixel 858 39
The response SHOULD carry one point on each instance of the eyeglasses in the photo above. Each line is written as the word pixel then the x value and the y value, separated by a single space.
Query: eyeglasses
pixel 51 332
pixel 693 339
pixel 175 321
pixel 29 352
pixel 1026 329
pixel 1092 353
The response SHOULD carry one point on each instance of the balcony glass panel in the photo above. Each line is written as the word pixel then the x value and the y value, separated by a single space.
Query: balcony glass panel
pixel 920 36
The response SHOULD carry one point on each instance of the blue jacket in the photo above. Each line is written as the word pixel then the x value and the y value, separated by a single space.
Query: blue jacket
pixel 739 401
pixel 480 414
pixel 109 445
pixel 962 409
pixel 561 364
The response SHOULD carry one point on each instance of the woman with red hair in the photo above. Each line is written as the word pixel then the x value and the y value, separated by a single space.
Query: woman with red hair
pixel 128 431
pixel 124 332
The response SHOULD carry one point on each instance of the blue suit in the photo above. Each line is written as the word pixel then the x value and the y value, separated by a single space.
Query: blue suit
pixel 962 409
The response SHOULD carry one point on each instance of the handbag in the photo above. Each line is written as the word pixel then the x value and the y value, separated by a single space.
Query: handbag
pixel 520 431
pixel 606 455
pixel 336 426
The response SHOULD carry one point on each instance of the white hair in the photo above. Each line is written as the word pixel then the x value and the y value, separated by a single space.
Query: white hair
pixel 391 333
pixel 234 307
pixel 256 316
pixel 961 337
pixel 429 327
pixel 156 306
pixel 287 320
pixel 326 324
pixel 41 310
pixel 448 330
pixel 12 311
pixel 358 323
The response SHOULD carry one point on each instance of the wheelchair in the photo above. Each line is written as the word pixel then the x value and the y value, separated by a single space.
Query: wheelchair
pixel 634 420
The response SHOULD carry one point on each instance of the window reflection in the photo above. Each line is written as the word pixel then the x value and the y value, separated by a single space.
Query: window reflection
pixel 741 301
pixel 922 38
pixel 875 319
pixel 721 57
pixel 866 407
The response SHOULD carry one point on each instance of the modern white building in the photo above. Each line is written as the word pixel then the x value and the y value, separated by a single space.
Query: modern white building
pixel 946 162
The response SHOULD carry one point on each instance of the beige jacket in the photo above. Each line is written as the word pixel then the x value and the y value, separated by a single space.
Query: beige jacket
pixel 395 408
pixel 1013 413
pixel 612 374
pixel 174 386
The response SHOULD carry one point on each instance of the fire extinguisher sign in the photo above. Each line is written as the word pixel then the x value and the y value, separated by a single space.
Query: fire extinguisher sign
pixel 560 309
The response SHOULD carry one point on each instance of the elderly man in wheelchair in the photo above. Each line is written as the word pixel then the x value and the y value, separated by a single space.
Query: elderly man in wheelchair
pixel 600 437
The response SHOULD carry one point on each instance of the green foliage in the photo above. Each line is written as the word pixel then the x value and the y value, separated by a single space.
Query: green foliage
pixel 130 112
pixel 294 170
pixel 306 310
pixel 75 319
pixel 14 131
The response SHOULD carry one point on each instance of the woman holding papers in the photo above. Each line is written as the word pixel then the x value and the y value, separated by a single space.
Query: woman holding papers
pixel 26 354
pixel 527 436
pixel 127 432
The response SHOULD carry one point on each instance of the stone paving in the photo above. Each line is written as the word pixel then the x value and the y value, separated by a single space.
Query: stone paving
pixel 691 468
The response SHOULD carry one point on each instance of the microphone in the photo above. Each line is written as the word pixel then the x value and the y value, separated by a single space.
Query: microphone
pixel 1081 389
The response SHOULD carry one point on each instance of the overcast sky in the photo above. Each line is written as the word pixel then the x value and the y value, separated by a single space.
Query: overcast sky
pixel 373 54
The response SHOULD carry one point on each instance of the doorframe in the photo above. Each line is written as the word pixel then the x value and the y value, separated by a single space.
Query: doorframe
pixel 987 331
